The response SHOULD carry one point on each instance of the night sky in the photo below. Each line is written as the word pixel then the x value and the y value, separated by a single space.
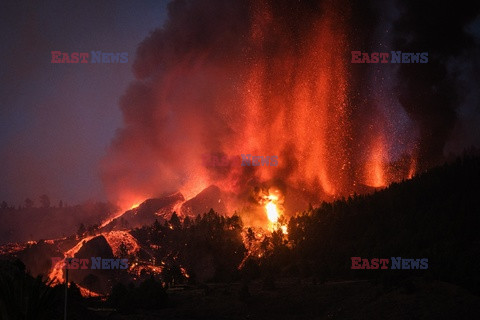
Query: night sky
pixel 56 120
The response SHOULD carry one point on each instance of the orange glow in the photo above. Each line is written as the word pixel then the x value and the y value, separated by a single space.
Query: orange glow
pixel 114 239
pixel 87 293
pixel 130 200
pixel 375 169
pixel 57 271
pixel 317 123
pixel 272 210
pixel 184 272
pixel 412 169
pixel 293 103
pixel 135 205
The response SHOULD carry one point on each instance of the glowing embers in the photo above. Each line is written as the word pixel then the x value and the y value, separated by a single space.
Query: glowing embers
pixel 412 169
pixel 375 166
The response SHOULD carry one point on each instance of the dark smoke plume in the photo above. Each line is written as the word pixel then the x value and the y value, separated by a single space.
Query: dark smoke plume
pixel 430 93
pixel 275 78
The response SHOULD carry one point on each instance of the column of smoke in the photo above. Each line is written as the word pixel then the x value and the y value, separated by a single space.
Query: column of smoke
pixel 267 78
pixel 431 97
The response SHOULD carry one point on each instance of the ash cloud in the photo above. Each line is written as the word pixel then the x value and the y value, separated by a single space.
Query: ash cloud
pixel 431 94
pixel 186 73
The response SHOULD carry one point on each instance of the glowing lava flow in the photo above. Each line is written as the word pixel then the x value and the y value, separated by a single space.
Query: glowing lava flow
pixel 57 270
pixel 120 213
pixel 135 205
pixel 87 293
pixel 114 239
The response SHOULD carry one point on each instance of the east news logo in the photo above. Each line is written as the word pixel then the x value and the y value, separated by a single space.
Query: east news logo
pixel 249 160
pixel 93 263
pixel 396 263
pixel 92 57
pixel 389 57
pixel 221 160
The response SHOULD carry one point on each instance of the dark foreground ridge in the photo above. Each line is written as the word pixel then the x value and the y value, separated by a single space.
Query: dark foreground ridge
pixel 303 275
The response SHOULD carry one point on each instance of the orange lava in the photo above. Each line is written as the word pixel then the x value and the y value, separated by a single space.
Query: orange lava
pixel 375 166
pixel 114 239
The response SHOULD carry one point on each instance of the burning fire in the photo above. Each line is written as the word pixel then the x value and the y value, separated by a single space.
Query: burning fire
pixel 272 208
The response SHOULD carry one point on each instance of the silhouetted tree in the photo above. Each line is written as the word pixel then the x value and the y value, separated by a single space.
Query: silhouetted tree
pixel 172 275
pixel 74 293
pixel 45 201
pixel 81 230
pixel 24 297
pixel 92 229
pixel 175 221
pixel 187 222
pixel 156 225
pixel 28 203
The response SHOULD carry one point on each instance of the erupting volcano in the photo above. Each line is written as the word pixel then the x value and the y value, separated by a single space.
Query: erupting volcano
pixel 268 154
pixel 251 78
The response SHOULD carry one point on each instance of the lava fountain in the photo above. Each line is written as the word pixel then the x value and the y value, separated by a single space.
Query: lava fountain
pixel 259 78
